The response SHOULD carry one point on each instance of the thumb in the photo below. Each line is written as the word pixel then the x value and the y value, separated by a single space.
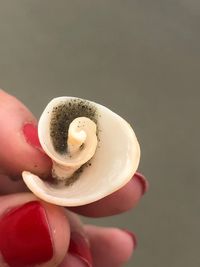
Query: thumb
pixel 32 233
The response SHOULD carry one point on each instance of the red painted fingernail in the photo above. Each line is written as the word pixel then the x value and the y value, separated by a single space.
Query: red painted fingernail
pixel 31 135
pixel 25 238
pixel 79 247
pixel 142 180
pixel 133 236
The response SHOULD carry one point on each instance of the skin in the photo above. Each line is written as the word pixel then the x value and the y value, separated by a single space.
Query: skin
pixel 17 155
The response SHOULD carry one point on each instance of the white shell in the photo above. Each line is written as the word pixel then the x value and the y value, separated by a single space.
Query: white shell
pixel 115 160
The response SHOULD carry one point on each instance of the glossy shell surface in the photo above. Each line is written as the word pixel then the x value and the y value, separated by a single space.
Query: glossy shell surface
pixel 113 164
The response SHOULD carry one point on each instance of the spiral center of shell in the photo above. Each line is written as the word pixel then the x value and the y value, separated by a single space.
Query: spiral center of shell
pixel 73 132
pixel 62 116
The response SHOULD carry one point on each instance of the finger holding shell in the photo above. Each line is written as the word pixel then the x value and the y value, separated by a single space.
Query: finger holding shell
pixel 94 152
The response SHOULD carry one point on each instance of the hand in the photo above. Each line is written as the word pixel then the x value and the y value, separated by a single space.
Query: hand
pixel 35 233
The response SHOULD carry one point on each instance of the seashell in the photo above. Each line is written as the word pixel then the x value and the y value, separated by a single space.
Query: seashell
pixel 94 151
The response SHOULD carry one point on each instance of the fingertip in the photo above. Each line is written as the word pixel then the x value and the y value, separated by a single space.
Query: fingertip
pixel 39 232
pixel 40 163
pixel 131 236
pixel 141 182
pixel 17 152
pixel 125 244
pixel 30 132
pixel 60 231
pixel 121 245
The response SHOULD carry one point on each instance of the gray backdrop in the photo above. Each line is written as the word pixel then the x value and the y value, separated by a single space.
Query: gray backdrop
pixel 141 58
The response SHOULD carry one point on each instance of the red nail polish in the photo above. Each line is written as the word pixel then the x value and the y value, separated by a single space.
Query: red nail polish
pixel 133 236
pixel 79 247
pixel 31 135
pixel 144 183
pixel 25 238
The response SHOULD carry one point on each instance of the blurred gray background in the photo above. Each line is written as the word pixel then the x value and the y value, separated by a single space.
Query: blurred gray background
pixel 141 58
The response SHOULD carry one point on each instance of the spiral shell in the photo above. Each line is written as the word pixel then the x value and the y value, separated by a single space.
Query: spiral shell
pixel 94 152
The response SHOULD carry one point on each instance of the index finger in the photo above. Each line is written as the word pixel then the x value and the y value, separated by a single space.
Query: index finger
pixel 17 151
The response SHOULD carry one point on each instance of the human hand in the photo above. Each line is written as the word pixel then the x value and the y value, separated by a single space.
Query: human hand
pixel 35 233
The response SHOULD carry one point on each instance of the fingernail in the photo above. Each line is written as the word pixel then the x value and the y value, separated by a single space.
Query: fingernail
pixel 25 236
pixel 31 135
pixel 133 236
pixel 142 180
pixel 79 247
